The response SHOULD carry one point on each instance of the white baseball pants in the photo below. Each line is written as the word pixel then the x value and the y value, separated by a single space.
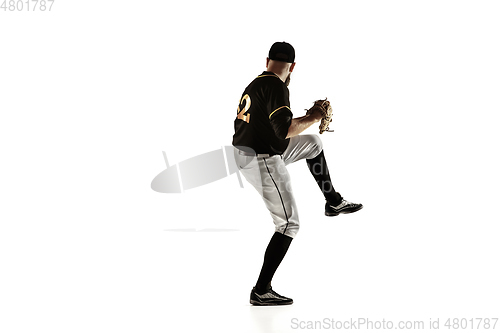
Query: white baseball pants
pixel 269 176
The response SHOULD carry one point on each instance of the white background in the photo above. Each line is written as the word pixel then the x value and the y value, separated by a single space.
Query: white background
pixel 92 92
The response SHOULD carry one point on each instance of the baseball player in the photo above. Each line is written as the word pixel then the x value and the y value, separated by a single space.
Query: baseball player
pixel 265 141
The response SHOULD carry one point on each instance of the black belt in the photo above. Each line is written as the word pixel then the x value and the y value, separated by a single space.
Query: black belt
pixel 245 153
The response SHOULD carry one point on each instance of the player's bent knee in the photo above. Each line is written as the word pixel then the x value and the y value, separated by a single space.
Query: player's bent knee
pixel 316 144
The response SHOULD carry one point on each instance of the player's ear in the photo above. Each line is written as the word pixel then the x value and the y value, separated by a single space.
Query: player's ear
pixel 267 62
pixel 291 67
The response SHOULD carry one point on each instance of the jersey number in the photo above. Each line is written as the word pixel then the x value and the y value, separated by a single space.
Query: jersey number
pixel 241 114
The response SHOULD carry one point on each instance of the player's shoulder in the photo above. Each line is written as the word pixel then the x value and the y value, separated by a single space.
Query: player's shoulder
pixel 267 75
pixel 268 79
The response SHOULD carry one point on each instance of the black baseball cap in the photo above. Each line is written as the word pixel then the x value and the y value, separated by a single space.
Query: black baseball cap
pixel 282 51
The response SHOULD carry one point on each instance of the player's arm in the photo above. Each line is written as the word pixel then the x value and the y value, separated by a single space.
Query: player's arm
pixel 300 124
pixel 281 116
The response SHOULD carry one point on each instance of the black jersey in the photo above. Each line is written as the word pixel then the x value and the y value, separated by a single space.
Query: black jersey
pixel 263 116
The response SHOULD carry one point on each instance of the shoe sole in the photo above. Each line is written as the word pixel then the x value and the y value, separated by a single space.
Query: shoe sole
pixel 267 304
pixel 348 212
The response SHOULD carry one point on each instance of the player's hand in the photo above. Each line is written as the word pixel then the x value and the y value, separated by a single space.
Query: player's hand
pixel 321 110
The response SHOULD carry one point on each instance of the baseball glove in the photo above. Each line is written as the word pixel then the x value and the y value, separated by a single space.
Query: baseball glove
pixel 324 107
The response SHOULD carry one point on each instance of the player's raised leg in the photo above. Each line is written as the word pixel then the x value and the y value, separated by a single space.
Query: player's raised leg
pixel 310 147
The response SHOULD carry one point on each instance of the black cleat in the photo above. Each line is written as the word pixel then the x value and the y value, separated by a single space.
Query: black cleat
pixel 269 298
pixel 345 207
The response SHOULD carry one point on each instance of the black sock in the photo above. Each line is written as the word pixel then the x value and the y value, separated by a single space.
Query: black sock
pixel 319 170
pixel 275 253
